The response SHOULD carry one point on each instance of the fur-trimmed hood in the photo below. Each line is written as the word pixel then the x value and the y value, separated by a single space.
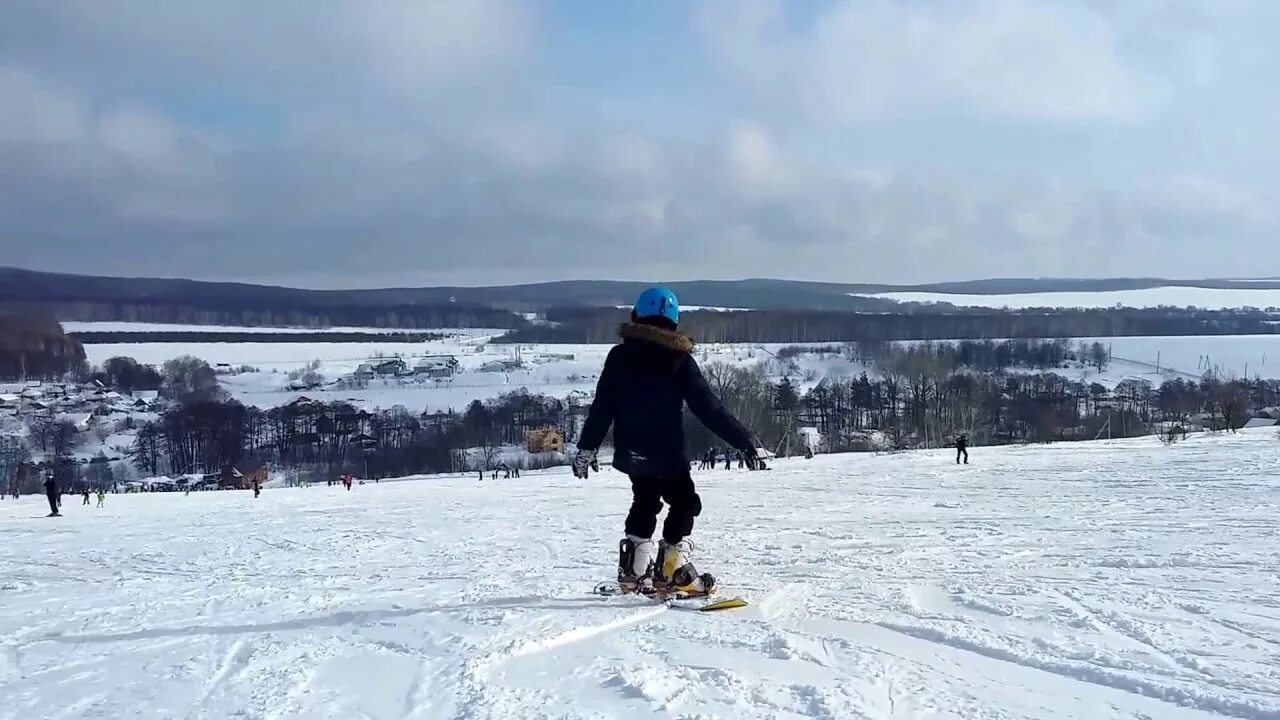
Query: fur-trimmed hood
pixel 668 339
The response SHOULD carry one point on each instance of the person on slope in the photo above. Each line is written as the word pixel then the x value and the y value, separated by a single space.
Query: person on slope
pixel 962 448
pixel 646 381
pixel 102 496
pixel 54 493
pixel 86 497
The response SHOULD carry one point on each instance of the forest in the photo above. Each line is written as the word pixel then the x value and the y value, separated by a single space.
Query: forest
pixel 33 347
pixel 210 336
pixel 889 396
pixel 600 325
pixel 925 395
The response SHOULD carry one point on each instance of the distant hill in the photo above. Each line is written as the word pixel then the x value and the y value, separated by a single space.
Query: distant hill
pixel 91 298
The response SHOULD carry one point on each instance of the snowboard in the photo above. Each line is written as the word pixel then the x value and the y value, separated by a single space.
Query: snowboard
pixel 699 603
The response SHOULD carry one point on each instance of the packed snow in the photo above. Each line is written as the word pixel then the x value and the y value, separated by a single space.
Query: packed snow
pixel 1115 579
pixel 1172 295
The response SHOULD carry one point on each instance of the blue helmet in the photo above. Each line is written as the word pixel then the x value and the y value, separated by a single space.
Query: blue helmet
pixel 658 302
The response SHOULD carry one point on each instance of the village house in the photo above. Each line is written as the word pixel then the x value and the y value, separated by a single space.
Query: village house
pixel 242 474
pixel 544 440
pixel 390 367
pixel 436 366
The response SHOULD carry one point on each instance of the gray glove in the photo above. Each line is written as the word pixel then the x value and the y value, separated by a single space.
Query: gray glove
pixel 584 461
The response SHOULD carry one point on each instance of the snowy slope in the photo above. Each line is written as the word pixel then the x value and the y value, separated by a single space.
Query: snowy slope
pixel 1171 295
pixel 1092 580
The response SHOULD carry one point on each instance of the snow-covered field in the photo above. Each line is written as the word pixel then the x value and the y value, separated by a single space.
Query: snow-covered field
pixel 1229 355
pixel 1092 580
pixel 1177 296
pixel 548 368
pixel 86 327
pixel 555 370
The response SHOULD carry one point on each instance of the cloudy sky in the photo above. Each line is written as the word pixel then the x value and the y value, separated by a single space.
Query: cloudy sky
pixel 354 144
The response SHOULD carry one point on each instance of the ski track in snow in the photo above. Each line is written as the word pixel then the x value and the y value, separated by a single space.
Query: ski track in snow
pixel 1117 579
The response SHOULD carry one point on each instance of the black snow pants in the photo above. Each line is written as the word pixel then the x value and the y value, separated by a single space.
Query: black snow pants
pixel 962 451
pixel 53 503
pixel 647 494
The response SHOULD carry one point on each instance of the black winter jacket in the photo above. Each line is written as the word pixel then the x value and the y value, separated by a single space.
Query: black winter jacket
pixel 645 383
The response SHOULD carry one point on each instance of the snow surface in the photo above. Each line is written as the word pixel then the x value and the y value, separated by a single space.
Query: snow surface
pixel 1117 579
pixel 547 368
pixel 1138 357
pixel 86 327
pixel 1172 295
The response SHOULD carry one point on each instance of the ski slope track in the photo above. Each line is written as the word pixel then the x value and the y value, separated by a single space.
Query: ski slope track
pixel 1116 579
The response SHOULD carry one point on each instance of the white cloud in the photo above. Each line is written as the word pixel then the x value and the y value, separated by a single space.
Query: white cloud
pixel 884 59
pixel 38 109
pixel 416 142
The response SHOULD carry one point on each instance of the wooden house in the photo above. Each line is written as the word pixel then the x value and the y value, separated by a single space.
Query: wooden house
pixel 390 367
pixel 242 475
pixel 544 440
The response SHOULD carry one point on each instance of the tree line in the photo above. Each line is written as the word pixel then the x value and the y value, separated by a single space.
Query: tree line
pixel 600 325
pixel 926 395
pixel 199 336
pixel 244 312
pixel 315 441
pixel 33 347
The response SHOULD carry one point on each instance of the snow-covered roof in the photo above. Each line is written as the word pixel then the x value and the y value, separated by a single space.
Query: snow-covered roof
pixel 80 420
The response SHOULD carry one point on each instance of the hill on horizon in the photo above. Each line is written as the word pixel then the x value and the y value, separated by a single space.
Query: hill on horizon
pixel 65 294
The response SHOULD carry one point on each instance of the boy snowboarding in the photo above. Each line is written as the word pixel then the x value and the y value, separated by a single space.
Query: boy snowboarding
pixel 646 381
pixel 54 494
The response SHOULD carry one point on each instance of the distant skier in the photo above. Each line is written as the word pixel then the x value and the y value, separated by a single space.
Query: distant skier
pixel 86 496
pixel 53 492
pixel 102 496
pixel 257 488
pixel 646 381
pixel 962 448
pixel 728 459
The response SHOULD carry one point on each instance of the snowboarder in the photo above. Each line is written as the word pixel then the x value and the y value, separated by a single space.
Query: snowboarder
pixel 53 492
pixel 86 496
pixel 646 381
pixel 962 448
pixel 102 496
pixel 257 488
pixel 728 459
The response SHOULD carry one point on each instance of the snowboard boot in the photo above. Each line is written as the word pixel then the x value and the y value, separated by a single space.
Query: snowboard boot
pixel 635 565
pixel 674 574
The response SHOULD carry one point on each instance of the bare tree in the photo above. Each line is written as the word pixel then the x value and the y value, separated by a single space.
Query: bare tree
pixel 1231 403
pixel 1098 356
pixel 189 379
